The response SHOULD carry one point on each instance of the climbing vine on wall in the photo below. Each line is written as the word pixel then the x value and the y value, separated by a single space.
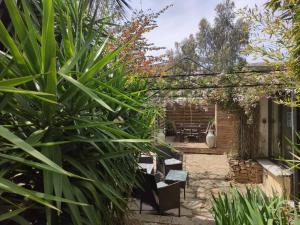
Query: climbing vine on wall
pixel 240 91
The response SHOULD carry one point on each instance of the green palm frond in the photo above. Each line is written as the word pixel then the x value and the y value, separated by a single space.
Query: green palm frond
pixel 72 121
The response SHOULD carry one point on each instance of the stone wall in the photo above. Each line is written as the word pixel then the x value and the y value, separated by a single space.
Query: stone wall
pixel 278 184
pixel 276 178
pixel 246 171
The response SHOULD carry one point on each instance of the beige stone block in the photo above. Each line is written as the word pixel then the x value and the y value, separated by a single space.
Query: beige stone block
pixel 182 221
pixel 234 162
pixel 166 219
pixel 202 196
pixel 149 218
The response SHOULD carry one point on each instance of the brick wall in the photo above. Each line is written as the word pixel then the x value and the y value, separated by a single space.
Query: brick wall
pixel 246 171
pixel 227 131
pixel 227 124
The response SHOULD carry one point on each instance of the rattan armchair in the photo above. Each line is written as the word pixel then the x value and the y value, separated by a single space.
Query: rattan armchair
pixel 166 152
pixel 160 196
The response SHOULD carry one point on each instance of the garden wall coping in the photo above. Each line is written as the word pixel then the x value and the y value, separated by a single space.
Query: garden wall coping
pixel 274 168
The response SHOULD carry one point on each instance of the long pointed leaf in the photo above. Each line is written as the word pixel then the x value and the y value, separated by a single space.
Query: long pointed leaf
pixel 87 91
pixel 5 133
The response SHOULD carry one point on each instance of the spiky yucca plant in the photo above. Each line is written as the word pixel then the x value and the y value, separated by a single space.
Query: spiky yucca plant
pixel 251 207
pixel 72 122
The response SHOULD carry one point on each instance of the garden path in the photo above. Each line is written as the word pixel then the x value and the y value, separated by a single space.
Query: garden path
pixel 208 174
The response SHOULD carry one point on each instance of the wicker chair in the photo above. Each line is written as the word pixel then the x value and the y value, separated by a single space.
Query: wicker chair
pixel 177 131
pixel 166 152
pixel 177 166
pixel 145 159
pixel 160 196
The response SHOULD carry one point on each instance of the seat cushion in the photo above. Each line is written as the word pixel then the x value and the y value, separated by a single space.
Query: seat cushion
pixel 177 175
pixel 172 161
pixel 161 184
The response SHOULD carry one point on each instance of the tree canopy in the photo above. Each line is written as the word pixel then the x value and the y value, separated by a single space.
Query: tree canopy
pixel 216 47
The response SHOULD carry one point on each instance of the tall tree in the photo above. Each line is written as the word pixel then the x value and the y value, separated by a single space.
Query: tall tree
pixel 218 46
pixel 228 36
pixel 184 57
pixel 204 41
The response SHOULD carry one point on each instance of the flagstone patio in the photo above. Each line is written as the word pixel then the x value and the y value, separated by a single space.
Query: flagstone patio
pixel 208 174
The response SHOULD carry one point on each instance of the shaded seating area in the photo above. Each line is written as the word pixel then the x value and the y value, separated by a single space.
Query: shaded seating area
pixel 159 186
pixel 188 122
pixel 191 131
pixel 207 175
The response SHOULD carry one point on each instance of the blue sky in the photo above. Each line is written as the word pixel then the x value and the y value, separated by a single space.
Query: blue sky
pixel 182 19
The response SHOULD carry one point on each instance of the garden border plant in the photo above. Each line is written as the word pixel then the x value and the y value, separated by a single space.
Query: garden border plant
pixel 252 207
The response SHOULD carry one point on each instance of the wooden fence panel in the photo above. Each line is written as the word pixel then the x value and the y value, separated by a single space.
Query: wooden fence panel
pixel 188 113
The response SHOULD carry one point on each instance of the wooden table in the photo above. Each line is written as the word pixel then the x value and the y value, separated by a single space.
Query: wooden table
pixel 177 175
pixel 189 130
pixel 148 167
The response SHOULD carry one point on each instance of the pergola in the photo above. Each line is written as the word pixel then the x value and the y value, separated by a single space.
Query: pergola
pixel 193 84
